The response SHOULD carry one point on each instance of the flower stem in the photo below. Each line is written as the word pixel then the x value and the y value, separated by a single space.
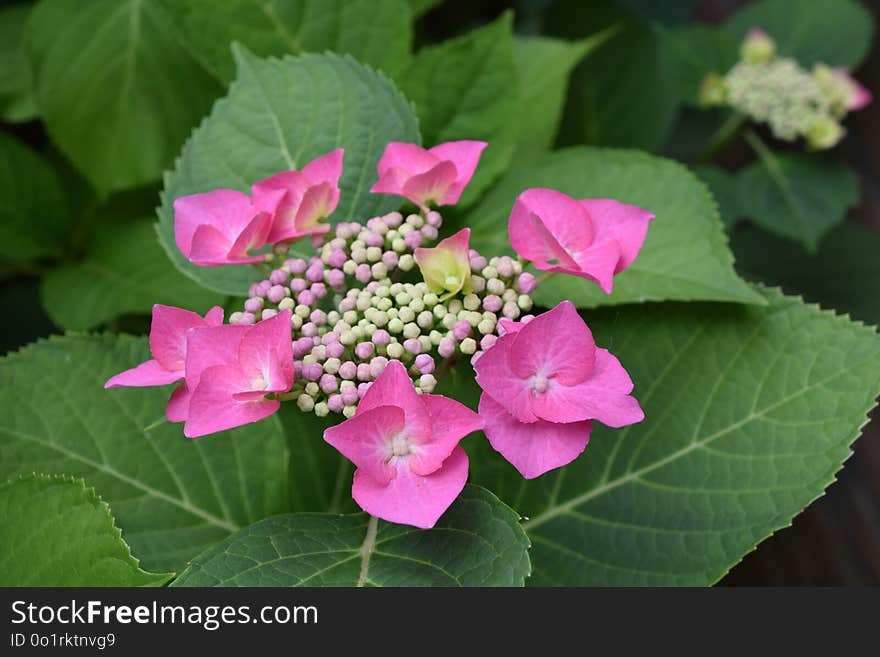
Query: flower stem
pixel 722 138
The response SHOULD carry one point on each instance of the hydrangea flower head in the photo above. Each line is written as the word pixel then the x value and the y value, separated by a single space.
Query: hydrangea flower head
pixel 591 238
pixel 435 175
pixel 446 267
pixel 309 195
pixel 410 466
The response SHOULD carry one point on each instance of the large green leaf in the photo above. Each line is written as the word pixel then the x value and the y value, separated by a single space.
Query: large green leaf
pixel 57 532
pixel 477 542
pixel 623 95
pixel 724 186
pixel 844 274
pixel 172 496
pixel 695 52
pixel 685 256
pixel 33 212
pixel 466 88
pixel 749 412
pixel 376 32
pixel 16 87
pixel 543 65
pixel 124 271
pixel 796 196
pixel 837 32
pixel 116 90
pixel 279 114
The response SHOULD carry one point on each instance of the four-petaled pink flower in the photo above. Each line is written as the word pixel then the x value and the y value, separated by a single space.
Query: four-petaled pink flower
pixel 168 333
pixel 435 175
pixel 591 238
pixel 543 382
pixel 410 466
pixel 310 194
pixel 231 369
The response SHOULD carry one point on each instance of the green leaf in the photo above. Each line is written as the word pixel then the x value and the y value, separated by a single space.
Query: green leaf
pixel 685 256
pixel 279 115
pixel 836 32
pixel 844 274
pixel 320 477
pixel 420 7
pixel 116 90
pixel 16 87
pixel 57 532
pixel 125 271
pixel 477 542
pixel 796 196
pixel 172 496
pixel 725 188
pixel 623 95
pixel 466 88
pixel 543 67
pixel 33 211
pixel 376 32
pixel 749 411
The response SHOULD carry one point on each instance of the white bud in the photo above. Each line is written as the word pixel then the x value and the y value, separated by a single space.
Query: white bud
pixel 439 311
pixel 411 330
pixel 312 388
pixel 495 286
pixel 374 253
pixel 379 270
pixel 398 246
pixel 303 310
pixel 321 409
pixel 350 317
pixel 349 267
pixel 402 298
pixel 349 411
pixel 305 403
pixel 331 365
pixel 485 327
pixel 395 325
pixel 406 314
pixel 417 305
pixel 490 272
pixel 524 301
pixel 425 319
pixel 509 295
pixel 406 262
pixel 455 306
pixel 427 382
pixel 287 304
pixel 471 302
pixel 468 346
pixel 394 350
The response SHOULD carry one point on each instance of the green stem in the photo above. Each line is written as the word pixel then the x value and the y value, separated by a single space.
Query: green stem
pixel 723 137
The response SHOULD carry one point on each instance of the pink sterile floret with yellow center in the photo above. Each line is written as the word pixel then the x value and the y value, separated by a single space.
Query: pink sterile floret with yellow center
pixel 410 466
pixel 231 369
pixel 539 379
pixel 591 238
pixel 435 175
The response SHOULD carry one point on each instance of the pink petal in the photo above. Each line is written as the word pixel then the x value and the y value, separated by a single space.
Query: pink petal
pixel 604 396
pixel 168 329
pixel 557 343
pixel 534 448
pixel 253 236
pixel 465 155
pixel 563 216
pixel 532 240
pixel 451 422
pixel 327 168
pixel 318 202
pixel 625 224
pixel 597 263
pixel 395 388
pixel 178 405
pixel 266 351
pixel 496 378
pixel 391 181
pixel 410 499
pixel 210 247
pixel 148 373
pixel 277 193
pixel 506 326
pixel 411 158
pixel 210 346
pixel 214 317
pixel 365 440
pixel 226 210
pixel 213 408
pixel 432 185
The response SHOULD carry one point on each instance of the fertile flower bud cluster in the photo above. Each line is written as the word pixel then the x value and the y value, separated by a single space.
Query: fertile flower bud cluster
pixel 366 325
pixel 353 310
pixel 792 101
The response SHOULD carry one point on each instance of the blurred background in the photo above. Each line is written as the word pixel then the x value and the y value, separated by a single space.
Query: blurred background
pixel 617 97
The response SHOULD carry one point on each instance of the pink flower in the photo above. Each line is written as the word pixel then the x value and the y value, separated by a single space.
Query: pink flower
pixel 168 331
pixel 446 267
pixel 591 238
pixel 436 175
pixel 308 196
pixel 229 371
pixel 410 466
pixel 549 376
pixel 220 227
